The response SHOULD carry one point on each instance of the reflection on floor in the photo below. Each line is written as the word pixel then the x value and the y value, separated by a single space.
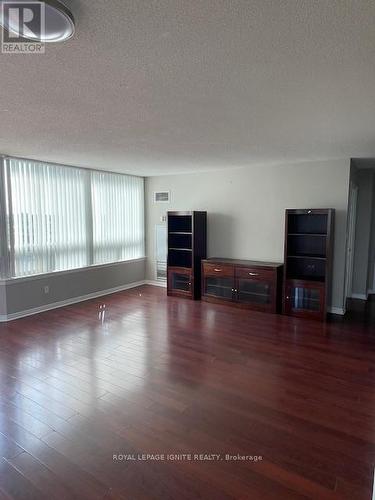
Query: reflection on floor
pixel 229 403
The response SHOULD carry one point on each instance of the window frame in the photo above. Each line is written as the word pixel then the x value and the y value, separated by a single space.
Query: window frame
pixel 7 257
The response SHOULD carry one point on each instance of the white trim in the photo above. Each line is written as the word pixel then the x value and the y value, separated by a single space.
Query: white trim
pixel 361 296
pixel 370 292
pixel 337 310
pixel 12 281
pixel 162 284
pixel 67 302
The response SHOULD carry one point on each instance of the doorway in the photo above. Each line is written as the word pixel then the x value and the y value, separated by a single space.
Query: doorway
pixel 360 240
pixel 352 218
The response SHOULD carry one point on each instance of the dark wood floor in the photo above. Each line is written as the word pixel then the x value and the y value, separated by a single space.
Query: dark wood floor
pixel 160 375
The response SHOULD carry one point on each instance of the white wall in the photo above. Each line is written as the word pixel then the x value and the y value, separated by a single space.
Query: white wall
pixel 246 208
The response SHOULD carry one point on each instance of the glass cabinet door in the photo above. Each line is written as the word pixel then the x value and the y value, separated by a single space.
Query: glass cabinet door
pixel 180 281
pixel 219 286
pixel 253 291
pixel 305 298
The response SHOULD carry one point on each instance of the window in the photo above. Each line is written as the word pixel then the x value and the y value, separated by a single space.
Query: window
pixel 118 214
pixel 60 218
pixel 48 218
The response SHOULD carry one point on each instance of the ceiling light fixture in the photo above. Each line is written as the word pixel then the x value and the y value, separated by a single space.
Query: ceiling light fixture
pixel 53 22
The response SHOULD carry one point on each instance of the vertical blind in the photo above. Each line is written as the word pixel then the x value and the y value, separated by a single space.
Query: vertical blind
pixel 118 214
pixel 60 218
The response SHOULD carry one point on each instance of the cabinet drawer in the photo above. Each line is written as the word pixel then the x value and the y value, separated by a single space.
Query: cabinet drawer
pixel 254 273
pixel 217 270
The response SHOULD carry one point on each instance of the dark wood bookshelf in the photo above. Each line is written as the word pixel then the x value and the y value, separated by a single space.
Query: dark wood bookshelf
pixel 307 261
pixel 187 246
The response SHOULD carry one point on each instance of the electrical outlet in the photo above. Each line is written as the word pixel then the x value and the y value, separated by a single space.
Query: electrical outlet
pixel 46 289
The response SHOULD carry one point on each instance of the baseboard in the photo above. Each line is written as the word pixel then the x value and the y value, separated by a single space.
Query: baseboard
pixel 163 284
pixel 360 296
pixel 68 302
pixel 337 310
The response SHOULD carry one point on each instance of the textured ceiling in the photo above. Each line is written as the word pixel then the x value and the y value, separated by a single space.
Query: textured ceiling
pixel 169 86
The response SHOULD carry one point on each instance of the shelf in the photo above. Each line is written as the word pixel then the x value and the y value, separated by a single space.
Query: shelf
pixel 182 249
pixel 299 277
pixel 211 285
pixel 181 286
pixel 307 234
pixel 307 223
pixel 294 299
pixel 315 257
pixel 180 223
pixel 254 294
pixel 219 293
pixel 180 232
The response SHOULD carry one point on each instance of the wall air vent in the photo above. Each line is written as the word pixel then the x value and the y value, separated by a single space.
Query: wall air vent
pixel 161 196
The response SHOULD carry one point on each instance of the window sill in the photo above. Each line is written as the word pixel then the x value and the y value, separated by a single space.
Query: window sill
pixel 33 277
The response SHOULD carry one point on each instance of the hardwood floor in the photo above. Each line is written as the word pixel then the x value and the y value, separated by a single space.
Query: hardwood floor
pixel 149 374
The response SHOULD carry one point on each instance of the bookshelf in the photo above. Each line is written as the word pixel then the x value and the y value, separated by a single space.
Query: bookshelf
pixel 186 248
pixel 307 261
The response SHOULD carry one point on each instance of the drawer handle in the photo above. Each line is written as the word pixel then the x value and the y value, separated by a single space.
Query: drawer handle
pixel 217 270
pixel 253 274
